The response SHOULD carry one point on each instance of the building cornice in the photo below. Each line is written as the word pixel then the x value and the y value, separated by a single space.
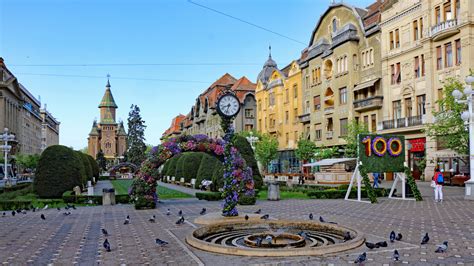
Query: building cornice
pixel 400 15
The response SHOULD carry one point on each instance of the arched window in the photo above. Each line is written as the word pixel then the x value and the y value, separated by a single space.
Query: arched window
pixel 334 25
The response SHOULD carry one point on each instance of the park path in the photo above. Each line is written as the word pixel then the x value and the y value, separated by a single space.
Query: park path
pixel 187 190
pixel 101 184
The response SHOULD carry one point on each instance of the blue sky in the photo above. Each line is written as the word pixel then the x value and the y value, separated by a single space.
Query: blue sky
pixel 143 32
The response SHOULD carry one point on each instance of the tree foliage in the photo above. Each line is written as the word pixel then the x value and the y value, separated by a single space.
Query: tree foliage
pixel 246 151
pixel 27 161
pixel 86 171
pixel 94 167
pixel 325 153
pixel 136 146
pixel 306 150
pixel 206 168
pixel 192 161
pixel 353 130
pixel 266 149
pixel 101 161
pixel 449 128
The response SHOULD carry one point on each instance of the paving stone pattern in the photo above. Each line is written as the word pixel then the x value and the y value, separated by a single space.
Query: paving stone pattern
pixel 77 239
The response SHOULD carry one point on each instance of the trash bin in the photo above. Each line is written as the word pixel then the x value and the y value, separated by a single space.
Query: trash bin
pixel 273 191
pixel 108 196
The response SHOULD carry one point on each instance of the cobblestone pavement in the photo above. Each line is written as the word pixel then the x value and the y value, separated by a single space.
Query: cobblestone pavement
pixel 26 239
pixel 100 185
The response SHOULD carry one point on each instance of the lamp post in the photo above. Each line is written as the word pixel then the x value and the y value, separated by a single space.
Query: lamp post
pixel 5 137
pixel 252 140
pixel 468 117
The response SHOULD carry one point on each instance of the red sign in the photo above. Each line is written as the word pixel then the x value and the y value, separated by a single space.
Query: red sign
pixel 417 144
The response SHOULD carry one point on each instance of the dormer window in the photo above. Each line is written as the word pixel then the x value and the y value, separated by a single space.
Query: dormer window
pixel 334 25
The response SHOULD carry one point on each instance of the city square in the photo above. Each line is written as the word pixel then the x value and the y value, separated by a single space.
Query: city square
pixel 237 132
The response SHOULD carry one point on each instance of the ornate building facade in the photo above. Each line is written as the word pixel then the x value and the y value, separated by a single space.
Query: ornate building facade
pixel 107 136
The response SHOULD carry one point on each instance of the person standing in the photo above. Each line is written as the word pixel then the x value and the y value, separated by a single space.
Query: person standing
pixel 376 180
pixel 438 179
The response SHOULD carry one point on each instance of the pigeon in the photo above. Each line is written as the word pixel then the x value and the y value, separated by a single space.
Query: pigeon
pixel 18 211
pixel 58 208
pixel 105 232
pixel 127 220
pixel 269 239
pixel 45 207
pixel 347 236
pixel 442 248
pixel 67 207
pixel 425 239
pixel 181 220
pixel 246 217
pixel 107 245
pixel 370 245
pixel 67 213
pixel 203 211
pixel 168 212
pixel 265 217
pixel 311 216
pixel 362 257
pixel 23 211
pixel 34 209
pixel 303 234
pixel 180 213
pixel 398 237
pixel 161 243
pixel 258 211
pixel 258 241
pixel 152 219
pixel 73 207
pixel 396 255
pixel 381 244
pixel 392 236
pixel 42 217
pixel 13 213
pixel 4 214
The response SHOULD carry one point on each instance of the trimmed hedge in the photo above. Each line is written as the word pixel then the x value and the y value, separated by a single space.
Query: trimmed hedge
pixel 15 188
pixel 247 200
pixel 87 166
pixel 6 205
pixel 206 168
pixel 209 196
pixel 180 164
pixel 94 166
pixel 248 155
pixel 164 170
pixel 341 193
pixel 192 161
pixel 172 165
pixel 59 169
pixel 218 177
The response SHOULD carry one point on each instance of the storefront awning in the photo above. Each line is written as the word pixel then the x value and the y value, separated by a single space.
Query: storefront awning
pixel 327 162
pixel 366 84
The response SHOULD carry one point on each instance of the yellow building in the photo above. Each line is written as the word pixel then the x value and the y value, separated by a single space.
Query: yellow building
pixel 279 104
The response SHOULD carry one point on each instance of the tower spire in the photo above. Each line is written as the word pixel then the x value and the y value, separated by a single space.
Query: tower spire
pixel 270 51
pixel 108 82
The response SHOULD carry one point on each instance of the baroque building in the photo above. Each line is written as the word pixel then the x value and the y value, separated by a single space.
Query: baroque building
pixel 107 136
pixel 203 117
pixel 423 44
pixel 34 128
pixel 279 105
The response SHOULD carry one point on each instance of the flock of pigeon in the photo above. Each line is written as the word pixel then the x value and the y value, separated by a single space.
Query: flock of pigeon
pixel 396 255
pixel 36 209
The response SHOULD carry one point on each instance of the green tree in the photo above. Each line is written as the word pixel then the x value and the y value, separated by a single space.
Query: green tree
pixel 449 127
pixel 27 161
pixel 206 168
pixel 353 130
pixel 84 150
pixel 136 146
pixel 148 149
pixel 325 153
pixel 248 155
pixel 101 161
pixel 266 149
pixel 306 150
pixel 94 167
pixel 86 170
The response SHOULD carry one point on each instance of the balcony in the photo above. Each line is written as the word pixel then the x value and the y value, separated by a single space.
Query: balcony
pixel 369 103
pixel 345 34
pixel 329 110
pixel 406 122
pixel 305 118
pixel 444 29
pixel 329 134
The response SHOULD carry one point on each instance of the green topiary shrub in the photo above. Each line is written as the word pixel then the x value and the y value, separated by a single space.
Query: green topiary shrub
pixel 206 168
pixel 248 155
pixel 172 165
pixel 164 170
pixel 180 164
pixel 94 166
pixel 87 166
pixel 192 161
pixel 218 177
pixel 210 196
pixel 59 169
pixel 247 200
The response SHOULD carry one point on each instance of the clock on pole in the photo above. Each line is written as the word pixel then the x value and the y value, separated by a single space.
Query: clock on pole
pixel 228 105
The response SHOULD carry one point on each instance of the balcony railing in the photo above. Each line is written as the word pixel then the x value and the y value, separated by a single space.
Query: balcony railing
pixel 438 31
pixel 328 110
pixel 329 134
pixel 403 122
pixel 374 102
pixel 305 118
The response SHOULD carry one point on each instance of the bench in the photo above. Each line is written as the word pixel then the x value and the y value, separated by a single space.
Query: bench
pixel 191 185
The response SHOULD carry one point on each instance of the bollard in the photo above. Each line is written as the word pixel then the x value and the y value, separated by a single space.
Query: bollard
pixel 108 196
pixel 273 191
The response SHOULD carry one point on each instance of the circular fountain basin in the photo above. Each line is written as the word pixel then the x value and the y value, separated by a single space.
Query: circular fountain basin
pixel 288 238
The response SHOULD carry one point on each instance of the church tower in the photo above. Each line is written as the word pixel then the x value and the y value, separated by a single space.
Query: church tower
pixel 107 135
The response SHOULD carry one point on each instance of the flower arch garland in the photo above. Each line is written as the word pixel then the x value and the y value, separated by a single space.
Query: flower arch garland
pixel 237 175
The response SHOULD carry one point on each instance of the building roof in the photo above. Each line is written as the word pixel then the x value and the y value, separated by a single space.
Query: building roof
pixel 175 125
pixel 94 130
pixel 108 98
pixel 267 70
pixel 243 87
pixel 121 130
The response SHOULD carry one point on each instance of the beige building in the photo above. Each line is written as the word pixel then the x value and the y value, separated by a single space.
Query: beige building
pixel 21 113
pixel 341 73
pixel 423 43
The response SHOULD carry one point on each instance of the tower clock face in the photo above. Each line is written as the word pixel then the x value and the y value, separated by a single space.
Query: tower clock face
pixel 228 105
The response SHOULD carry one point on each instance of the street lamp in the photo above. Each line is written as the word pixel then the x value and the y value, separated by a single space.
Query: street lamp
pixel 6 148
pixel 467 116
pixel 252 140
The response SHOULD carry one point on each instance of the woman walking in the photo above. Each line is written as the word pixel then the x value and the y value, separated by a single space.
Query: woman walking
pixel 438 180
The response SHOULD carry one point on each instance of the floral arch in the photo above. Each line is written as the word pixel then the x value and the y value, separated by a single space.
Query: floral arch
pixel 237 175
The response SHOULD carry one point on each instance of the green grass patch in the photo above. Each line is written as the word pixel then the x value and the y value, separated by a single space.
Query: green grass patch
pixel 121 187
pixel 284 195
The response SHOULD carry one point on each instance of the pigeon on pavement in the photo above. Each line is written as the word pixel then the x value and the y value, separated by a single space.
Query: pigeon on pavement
pixel 398 237
pixel 13 213
pixel 370 245
pixel 168 212
pixel 265 217
pixel 362 257
pixel 396 255
pixel 246 217
pixel 105 232
pixel 181 220
pixel 42 217
pixel 127 220
pixel 442 248
pixel 203 211
pixel 107 245
pixel 67 213
pixel 381 244
pixel 311 216
pixel 180 213
pixel 392 236
pixel 347 236
pixel 258 211
pixel 425 239
pixel 152 219
pixel 161 243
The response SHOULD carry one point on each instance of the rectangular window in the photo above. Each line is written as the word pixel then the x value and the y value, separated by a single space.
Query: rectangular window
pixel 397 109
pixel 448 15
pixel 307 107
pixel 317 102
pixel 373 117
pixel 448 55
pixel 458 52
pixel 260 105
pixel 421 28
pixel 295 91
pixel 343 96
pixel 248 113
pixel 260 124
pixel 287 117
pixel 287 138
pixel 408 107
pixel 420 104
pixel 343 127
pixel 391 41
pixel 272 99
pixel 295 114
pixel 457 9
pixel 398 74
pixel 248 127
pixel 366 121
pixel 318 134
pixel 415 30
pixel 287 95
pixel 392 73
pixel 397 38
pixel 422 65
pixel 439 58
pixel 438 15
pixel 417 67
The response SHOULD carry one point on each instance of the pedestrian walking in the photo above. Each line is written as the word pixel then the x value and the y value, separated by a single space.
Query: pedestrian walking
pixel 376 179
pixel 437 183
